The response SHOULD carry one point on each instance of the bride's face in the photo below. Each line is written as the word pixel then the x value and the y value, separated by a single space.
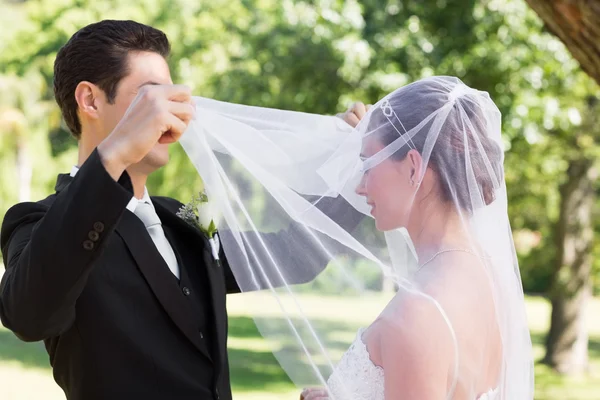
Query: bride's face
pixel 387 188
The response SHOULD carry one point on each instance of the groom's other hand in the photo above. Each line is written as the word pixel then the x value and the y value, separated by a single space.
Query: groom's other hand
pixel 314 394
pixel 158 114
pixel 355 113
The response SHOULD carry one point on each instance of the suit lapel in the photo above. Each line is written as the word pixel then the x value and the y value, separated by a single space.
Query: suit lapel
pixel 159 277
pixel 215 275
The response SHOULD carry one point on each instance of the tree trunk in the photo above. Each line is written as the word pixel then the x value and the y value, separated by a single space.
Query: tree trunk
pixel 567 341
pixel 577 24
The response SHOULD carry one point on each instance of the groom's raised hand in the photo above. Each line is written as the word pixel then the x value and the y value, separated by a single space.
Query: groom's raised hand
pixel 158 114
pixel 354 113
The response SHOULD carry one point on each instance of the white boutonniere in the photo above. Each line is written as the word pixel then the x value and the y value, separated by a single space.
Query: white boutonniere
pixel 203 215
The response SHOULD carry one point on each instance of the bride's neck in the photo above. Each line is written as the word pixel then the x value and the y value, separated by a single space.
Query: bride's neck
pixel 438 229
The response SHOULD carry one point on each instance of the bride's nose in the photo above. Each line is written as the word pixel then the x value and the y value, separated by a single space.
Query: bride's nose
pixel 361 188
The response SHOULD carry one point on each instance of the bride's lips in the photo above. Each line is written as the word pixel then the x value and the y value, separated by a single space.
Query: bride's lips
pixel 372 207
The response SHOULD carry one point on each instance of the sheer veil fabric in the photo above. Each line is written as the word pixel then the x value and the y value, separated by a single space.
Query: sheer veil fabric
pixel 317 216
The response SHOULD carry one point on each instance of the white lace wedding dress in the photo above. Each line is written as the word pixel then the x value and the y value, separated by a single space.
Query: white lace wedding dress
pixel 357 378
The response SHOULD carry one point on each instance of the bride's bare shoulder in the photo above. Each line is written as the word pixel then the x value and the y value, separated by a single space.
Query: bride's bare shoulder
pixel 409 329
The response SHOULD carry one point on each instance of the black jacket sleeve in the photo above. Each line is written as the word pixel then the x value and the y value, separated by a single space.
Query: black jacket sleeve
pixel 293 267
pixel 49 249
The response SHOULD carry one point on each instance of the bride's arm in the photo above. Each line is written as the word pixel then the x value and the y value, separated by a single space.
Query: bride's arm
pixel 417 352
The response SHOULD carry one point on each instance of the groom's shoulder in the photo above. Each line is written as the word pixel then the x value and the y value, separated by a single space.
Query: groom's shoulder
pixel 24 213
pixel 26 208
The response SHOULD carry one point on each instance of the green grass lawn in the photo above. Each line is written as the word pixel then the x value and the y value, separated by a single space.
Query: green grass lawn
pixel 25 374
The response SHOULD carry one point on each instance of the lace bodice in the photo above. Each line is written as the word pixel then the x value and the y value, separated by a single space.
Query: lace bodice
pixel 357 378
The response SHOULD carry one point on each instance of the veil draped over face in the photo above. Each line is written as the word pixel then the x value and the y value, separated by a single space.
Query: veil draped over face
pixel 393 235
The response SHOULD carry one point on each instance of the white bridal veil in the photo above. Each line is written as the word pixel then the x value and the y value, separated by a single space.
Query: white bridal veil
pixel 398 227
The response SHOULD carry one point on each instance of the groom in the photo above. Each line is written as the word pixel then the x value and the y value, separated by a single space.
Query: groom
pixel 125 295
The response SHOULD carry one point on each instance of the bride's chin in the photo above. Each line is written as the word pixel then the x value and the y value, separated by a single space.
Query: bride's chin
pixel 383 226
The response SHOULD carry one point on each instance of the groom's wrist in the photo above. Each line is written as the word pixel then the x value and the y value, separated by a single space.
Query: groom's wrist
pixel 111 161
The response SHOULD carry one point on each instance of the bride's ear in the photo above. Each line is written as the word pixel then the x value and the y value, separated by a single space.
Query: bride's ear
pixel 416 167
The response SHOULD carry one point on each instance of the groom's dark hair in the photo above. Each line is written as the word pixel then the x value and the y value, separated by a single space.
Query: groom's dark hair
pixel 98 54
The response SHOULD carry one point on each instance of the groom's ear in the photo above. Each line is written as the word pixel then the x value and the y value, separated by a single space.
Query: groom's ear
pixel 88 97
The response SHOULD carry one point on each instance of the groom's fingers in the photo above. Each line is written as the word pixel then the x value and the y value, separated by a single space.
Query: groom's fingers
pixel 314 394
pixel 359 109
pixel 304 393
pixel 354 113
pixel 308 394
pixel 351 119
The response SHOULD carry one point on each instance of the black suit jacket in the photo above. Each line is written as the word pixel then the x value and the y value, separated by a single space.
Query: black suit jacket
pixel 83 275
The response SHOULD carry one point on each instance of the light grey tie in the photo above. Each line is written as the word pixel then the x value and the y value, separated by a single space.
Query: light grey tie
pixel 146 213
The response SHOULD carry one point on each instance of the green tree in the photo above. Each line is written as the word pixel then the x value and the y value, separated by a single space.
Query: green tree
pixel 567 341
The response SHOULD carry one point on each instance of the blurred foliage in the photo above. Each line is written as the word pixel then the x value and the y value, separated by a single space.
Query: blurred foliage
pixel 317 56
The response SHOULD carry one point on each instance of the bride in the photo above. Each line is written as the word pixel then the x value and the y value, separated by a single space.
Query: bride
pixel 425 167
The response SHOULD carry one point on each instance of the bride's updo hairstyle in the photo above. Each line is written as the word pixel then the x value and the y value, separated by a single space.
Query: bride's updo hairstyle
pixel 464 139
